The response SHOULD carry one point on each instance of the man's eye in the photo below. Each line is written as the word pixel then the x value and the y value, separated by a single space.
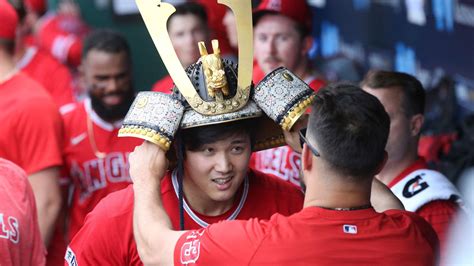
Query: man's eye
pixel 208 150
pixel 237 149
pixel 283 38
pixel 262 38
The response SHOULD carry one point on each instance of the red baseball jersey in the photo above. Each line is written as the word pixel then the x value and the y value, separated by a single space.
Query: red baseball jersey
pixel 429 194
pixel 45 69
pixel 93 178
pixel 164 85
pixel 314 236
pixel 20 238
pixel 107 235
pixel 31 125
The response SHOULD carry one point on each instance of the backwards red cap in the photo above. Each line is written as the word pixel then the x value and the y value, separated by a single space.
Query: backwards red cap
pixel 297 10
pixel 8 19
pixel 38 6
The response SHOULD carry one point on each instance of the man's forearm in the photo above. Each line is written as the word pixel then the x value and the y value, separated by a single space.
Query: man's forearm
pixel 150 222
pixel 152 227
pixel 48 200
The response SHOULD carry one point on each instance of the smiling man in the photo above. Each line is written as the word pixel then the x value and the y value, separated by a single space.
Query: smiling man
pixel 96 159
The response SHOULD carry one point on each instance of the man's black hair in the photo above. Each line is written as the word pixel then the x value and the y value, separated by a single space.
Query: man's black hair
pixel 106 40
pixel 189 8
pixel 194 138
pixel 350 128
pixel 413 91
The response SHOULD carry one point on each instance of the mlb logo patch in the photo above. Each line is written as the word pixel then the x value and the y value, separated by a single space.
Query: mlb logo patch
pixel 349 229
pixel 70 257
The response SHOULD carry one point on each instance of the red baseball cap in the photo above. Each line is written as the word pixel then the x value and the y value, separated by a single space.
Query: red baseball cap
pixel 38 6
pixel 297 10
pixel 9 20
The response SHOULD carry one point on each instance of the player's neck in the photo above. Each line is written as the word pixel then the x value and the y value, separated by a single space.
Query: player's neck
pixel 7 67
pixel 302 70
pixel 334 192
pixel 203 204
pixel 392 169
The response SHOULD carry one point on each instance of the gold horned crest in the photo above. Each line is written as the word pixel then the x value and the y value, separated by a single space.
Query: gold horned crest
pixel 213 70
pixel 155 14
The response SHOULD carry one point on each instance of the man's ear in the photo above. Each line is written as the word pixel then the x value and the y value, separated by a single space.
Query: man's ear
pixel 306 158
pixel 382 163
pixel 416 123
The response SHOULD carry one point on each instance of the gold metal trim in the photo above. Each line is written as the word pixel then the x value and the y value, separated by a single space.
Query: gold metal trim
pixel 270 143
pixel 146 134
pixel 295 112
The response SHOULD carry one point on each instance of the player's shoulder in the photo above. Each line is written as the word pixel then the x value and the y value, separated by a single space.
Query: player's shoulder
pixel 74 123
pixel 73 112
pixel 439 207
pixel 28 89
pixel 115 204
pixel 48 62
pixel 31 97
pixel 12 177
pixel 272 184
pixel 404 218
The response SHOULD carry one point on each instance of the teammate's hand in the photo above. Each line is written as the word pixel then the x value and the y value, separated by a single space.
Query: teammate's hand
pixel 148 165
pixel 292 137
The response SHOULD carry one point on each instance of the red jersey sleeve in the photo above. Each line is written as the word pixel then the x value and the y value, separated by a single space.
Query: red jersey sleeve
pixel 98 242
pixel 39 134
pixel 231 241
pixel 439 214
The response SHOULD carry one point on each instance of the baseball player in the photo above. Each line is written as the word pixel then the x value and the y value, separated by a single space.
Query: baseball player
pixel 282 30
pixel 95 158
pixel 426 192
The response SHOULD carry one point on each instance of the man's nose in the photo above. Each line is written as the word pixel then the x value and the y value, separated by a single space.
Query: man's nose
pixel 112 85
pixel 270 46
pixel 223 163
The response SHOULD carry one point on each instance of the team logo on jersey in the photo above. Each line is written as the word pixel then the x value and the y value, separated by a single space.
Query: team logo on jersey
pixel 349 229
pixel 9 228
pixel 70 257
pixel 191 248
pixel 414 186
